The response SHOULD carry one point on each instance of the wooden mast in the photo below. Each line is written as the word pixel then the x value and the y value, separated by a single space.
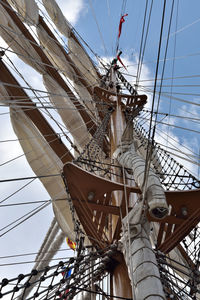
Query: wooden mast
pixel 121 281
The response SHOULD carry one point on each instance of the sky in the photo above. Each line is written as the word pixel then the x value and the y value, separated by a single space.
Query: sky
pixel 97 23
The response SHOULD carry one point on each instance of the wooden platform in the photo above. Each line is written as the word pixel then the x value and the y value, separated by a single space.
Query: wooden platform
pixel 92 198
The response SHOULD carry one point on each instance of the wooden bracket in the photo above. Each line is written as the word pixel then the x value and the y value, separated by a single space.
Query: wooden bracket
pixel 184 216
pixel 92 198
pixel 129 101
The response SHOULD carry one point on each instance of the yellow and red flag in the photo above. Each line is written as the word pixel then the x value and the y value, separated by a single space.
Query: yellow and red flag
pixel 71 244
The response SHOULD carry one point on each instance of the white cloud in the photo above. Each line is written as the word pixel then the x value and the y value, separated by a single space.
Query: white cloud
pixel 72 9
pixel 188 112
pixel 182 152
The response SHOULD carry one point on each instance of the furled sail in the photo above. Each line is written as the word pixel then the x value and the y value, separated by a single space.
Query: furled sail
pixel 27 9
pixel 62 62
pixel 77 53
pixel 141 144
pixel 17 41
pixel 127 156
pixel 44 161
pixel 67 111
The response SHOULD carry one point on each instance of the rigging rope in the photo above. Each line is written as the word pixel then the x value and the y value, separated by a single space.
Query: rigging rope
pixel 175 175
pixel 141 52
pixel 28 216
pixel 98 27
pixel 163 70
pixel 29 177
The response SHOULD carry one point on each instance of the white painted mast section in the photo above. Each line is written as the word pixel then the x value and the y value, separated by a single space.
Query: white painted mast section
pixel 135 243
pixel 139 256
pixel 127 156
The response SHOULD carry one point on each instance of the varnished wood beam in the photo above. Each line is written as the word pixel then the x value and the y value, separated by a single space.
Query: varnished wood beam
pixel 179 233
pixel 108 209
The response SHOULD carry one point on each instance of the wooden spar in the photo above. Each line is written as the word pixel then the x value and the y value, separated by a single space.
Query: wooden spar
pixel 117 126
pixel 16 91
pixel 117 122
pixel 103 192
pixel 51 70
pixel 121 284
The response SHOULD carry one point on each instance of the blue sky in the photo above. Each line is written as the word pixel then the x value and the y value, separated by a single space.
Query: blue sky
pixel 184 32
pixel 83 14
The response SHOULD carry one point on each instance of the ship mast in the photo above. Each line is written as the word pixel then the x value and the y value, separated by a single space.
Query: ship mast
pixel 112 191
pixel 135 243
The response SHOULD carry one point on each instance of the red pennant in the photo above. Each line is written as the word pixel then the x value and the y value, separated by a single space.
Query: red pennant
pixel 122 20
pixel 121 62
pixel 119 59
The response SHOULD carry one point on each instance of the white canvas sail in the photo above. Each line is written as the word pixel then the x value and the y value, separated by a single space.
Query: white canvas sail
pixel 44 161
pixel 55 54
pixel 57 17
pixel 68 112
pixel 27 9
pixel 18 43
pixel 77 53
pixel 59 60
pixel 81 60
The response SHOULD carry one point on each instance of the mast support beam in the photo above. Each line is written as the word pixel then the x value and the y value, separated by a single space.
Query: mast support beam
pixel 92 199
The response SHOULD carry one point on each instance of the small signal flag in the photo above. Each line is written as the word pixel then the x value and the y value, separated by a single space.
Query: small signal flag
pixel 71 244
